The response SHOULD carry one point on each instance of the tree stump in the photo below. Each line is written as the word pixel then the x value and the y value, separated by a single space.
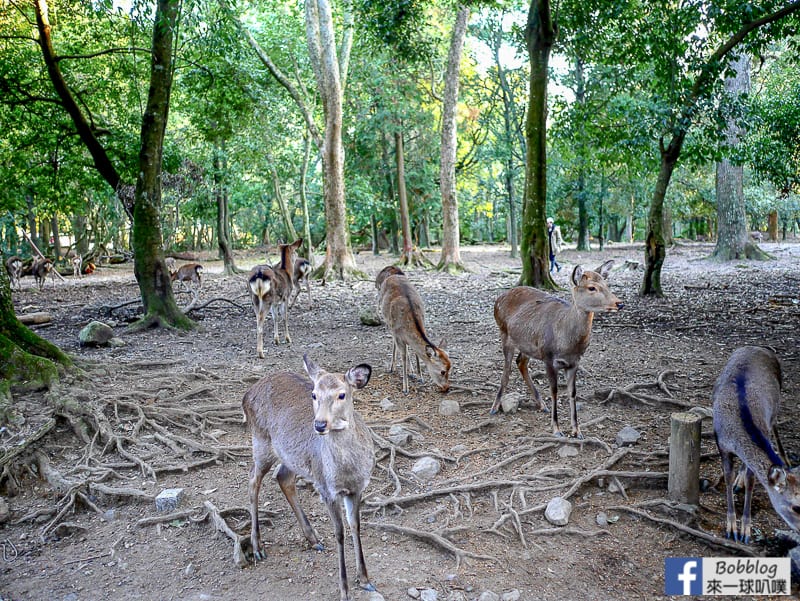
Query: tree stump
pixel 684 458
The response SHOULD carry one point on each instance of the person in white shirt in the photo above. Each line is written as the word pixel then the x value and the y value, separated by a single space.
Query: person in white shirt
pixel 555 241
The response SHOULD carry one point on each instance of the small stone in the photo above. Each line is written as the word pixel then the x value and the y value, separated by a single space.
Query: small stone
pixel 108 516
pixel 510 402
pixel 558 511
pixel 413 592
pixel 459 449
pixel 567 450
pixel 70 597
pixel 400 436
pixel 189 570
pixel 612 487
pixel 489 596
pixel 375 596
pixel 116 342
pixel 457 596
pixel 369 317
pixel 388 405
pixel 627 437
pixel 513 595
pixel 169 499
pixel 602 519
pixel 428 594
pixel 449 407
pixel 426 468
pixel 96 333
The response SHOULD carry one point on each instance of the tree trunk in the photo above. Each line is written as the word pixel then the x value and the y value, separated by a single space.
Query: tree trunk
pixel 451 253
pixel 291 233
pixel 407 256
pixel 339 258
pixel 221 193
pixel 151 273
pixel 56 236
pixel 583 211
pixel 539 35
pixel 308 246
pixel 772 226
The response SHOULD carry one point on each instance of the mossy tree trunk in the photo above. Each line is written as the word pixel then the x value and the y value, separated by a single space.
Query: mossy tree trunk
pixel 151 272
pixel 539 35
pixel 25 358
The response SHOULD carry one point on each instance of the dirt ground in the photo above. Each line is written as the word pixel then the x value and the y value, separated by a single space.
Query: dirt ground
pixel 497 472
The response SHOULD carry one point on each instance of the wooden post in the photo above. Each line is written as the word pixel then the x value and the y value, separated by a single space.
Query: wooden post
pixel 684 458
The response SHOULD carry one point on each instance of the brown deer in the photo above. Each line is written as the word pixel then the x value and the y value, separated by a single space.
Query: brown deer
pixel 312 428
pixel 14 269
pixel 301 275
pixel 77 265
pixel 546 327
pixel 270 288
pixel 41 268
pixel 746 400
pixel 190 277
pixel 404 313
pixel 169 263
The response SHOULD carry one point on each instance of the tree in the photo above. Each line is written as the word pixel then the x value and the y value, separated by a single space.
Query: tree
pixel 451 256
pixel 733 237
pixel 539 37
pixel 151 272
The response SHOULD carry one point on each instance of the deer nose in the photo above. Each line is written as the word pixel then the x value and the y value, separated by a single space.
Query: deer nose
pixel 620 304
pixel 320 426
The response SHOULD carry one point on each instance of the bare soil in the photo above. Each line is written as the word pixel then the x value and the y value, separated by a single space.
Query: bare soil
pixel 498 472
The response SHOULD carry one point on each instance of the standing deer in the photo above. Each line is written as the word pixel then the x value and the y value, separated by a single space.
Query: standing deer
pixel 41 268
pixel 404 313
pixel 312 428
pixel 301 275
pixel 190 277
pixel 77 265
pixel 14 269
pixel 545 327
pixel 746 402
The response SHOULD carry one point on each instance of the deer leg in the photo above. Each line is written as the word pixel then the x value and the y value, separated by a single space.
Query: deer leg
pixel 286 338
pixel 404 358
pixel 552 376
pixel 351 507
pixel 274 315
pixel 508 355
pixel 394 354
pixel 522 365
pixel 749 484
pixel 262 462
pixel 261 314
pixel 781 452
pixel 572 392
pixel 286 480
pixel 308 289
pixel 338 532
pixel 727 473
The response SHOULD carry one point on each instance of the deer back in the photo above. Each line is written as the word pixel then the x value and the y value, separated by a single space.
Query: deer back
pixel 746 401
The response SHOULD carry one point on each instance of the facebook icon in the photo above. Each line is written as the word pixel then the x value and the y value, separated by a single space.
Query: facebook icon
pixel 683 576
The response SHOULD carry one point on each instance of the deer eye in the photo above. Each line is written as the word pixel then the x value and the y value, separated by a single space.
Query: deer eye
pixel 592 289
pixel 341 396
pixel 796 509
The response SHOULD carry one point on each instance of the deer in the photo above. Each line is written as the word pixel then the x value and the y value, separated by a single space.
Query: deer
pixel 190 277
pixel 301 275
pixel 313 430
pixel 270 288
pixel 169 263
pixel 77 264
pixel 746 400
pixel 545 327
pixel 14 269
pixel 41 268
pixel 404 313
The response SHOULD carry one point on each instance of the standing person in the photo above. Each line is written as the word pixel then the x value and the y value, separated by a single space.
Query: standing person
pixel 555 241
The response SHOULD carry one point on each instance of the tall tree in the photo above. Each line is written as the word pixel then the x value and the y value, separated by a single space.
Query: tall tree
pixel 733 237
pixel 539 37
pixel 451 254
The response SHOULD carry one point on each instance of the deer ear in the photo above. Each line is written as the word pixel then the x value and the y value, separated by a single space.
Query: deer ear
pixel 777 478
pixel 576 274
pixel 359 375
pixel 297 243
pixel 311 368
pixel 605 269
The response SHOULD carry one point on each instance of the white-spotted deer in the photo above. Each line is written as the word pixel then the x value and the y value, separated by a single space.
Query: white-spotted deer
pixel 404 313
pixel 41 268
pixel 301 275
pixel 14 270
pixel 312 428
pixel 190 277
pixel 546 327
pixel 746 402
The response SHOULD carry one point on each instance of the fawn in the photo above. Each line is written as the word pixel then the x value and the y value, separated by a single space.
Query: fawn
pixel 746 401
pixel 404 313
pixel 190 277
pixel 546 327
pixel 312 428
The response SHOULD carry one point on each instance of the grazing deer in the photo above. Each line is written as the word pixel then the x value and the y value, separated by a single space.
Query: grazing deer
pixel 746 400
pixel 404 313
pixel 77 265
pixel 190 277
pixel 301 275
pixel 312 428
pixel 41 268
pixel 14 269
pixel 546 327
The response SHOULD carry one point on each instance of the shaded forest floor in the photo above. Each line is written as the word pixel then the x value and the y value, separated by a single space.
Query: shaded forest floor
pixel 170 404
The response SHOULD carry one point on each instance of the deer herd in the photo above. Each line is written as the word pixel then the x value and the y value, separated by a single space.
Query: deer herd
pixel 309 424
